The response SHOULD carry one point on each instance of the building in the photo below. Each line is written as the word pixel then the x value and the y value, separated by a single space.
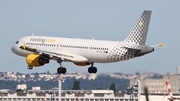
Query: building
pixel 66 95
pixel 153 85
pixel 158 85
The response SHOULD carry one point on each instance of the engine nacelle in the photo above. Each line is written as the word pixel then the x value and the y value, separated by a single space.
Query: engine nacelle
pixel 36 60
pixel 81 63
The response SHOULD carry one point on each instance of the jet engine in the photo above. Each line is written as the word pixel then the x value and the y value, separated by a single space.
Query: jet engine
pixel 36 60
pixel 81 63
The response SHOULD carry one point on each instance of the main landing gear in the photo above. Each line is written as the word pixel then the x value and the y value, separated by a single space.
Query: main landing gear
pixel 92 69
pixel 61 69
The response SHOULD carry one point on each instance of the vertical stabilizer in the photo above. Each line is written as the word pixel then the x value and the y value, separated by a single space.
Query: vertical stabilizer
pixel 139 31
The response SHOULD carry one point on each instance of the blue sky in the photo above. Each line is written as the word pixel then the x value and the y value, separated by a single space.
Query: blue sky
pixel 99 19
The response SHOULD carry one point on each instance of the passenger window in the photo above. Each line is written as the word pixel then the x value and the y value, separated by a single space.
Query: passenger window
pixel 17 42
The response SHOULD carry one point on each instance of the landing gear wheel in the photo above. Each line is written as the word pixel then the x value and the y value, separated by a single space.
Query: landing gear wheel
pixel 92 70
pixel 61 70
pixel 64 70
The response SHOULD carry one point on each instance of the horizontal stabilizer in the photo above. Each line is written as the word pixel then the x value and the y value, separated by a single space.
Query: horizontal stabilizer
pixel 132 50
pixel 140 50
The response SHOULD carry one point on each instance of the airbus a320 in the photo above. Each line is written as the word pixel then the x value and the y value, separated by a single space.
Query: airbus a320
pixel 39 50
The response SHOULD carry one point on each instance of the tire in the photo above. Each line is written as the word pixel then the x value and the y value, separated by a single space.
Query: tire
pixel 63 70
pixel 94 70
pixel 59 70
pixel 90 70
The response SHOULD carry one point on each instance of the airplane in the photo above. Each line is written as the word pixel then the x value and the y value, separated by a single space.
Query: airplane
pixel 39 50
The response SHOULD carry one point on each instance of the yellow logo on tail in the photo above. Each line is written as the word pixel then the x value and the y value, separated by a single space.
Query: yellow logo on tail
pixel 140 23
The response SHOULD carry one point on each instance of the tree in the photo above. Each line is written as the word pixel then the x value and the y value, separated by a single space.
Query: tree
pixel 76 85
pixel 48 72
pixel 113 87
pixel 27 76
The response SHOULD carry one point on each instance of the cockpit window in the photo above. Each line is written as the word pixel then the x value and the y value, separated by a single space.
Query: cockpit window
pixel 17 42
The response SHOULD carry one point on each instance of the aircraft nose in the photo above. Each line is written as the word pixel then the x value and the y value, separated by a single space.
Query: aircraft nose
pixel 14 49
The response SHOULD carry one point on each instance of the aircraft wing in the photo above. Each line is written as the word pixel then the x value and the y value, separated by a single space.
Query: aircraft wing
pixel 56 54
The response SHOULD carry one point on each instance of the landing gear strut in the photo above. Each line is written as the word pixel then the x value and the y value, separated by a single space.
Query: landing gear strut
pixel 61 69
pixel 92 69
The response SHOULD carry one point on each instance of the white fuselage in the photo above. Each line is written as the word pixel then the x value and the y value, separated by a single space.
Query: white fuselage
pixel 94 50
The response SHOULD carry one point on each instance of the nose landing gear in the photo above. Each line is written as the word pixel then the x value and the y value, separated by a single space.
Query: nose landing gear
pixel 61 69
pixel 29 67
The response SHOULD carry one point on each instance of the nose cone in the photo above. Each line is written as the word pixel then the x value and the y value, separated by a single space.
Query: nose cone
pixel 16 50
pixel 13 48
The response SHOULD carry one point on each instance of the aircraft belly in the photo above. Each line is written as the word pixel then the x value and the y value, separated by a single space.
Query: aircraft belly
pixel 98 59
pixel 94 56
